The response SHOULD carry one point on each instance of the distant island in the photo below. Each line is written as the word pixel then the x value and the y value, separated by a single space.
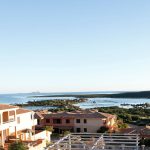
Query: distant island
pixel 60 104
pixel 141 94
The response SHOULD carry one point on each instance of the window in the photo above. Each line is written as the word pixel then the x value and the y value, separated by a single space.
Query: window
pixel 85 129
pixel 18 120
pixel 31 116
pixel 57 121
pixel 38 121
pixel 104 121
pixel 78 130
pixel 77 120
pixel 47 120
pixel 85 121
pixel 67 121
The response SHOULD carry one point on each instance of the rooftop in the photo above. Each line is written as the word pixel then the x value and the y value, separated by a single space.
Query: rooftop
pixel 5 106
pixel 75 114
pixel 38 115
pixel 22 111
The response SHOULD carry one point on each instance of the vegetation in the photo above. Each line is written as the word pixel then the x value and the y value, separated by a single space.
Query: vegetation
pixel 142 94
pixel 55 102
pixel 59 103
pixel 136 115
pixel 55 136
pixel 49 128
pixel 66 133
pixel 145 142
pixel 121 125
pixel 103 129
pixel 17 146
pixel 69 109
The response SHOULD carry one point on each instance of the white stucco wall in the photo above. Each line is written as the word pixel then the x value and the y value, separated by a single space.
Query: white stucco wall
pixel 46 135
pixel 26 122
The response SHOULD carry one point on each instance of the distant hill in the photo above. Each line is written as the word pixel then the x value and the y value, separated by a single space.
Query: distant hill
pixel 141 94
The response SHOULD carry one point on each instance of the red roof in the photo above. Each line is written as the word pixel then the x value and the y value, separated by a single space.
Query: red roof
pixel 75 114
pixel 22 111
pixel 5 106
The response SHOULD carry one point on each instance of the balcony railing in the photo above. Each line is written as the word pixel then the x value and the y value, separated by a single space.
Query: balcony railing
pixel 9 121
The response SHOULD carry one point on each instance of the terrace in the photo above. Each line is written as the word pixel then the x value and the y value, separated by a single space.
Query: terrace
pixel 91 141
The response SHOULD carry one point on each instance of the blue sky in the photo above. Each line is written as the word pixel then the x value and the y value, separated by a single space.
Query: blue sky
pixel 74 45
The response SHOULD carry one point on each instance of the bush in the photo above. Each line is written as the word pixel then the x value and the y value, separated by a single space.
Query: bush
pixel 145 142
pixel 66 133
pixel 122 125
pixel 103 129
pixel 17 146
pixel 49 128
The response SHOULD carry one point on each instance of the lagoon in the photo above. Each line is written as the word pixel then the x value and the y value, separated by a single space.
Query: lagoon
pixel 91 103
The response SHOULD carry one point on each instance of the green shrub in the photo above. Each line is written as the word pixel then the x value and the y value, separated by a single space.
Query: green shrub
pixel 17 146
pixel 103 129
pixel 66 133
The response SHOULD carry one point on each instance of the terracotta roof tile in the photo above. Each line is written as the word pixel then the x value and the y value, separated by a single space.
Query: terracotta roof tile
pixel 78 114
pixel 38 115
pixel 22 111
pixel 5 106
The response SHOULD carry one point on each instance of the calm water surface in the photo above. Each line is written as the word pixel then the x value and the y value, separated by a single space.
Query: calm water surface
pixel 91 103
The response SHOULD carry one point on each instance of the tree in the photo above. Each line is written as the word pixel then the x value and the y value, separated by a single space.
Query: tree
pixel 66 133
pixel 49 128
pixel 122 125
pixel 103 129
pixel 17 146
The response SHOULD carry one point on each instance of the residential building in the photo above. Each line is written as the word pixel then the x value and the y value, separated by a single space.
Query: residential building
pixel 76 121
pixel 19 124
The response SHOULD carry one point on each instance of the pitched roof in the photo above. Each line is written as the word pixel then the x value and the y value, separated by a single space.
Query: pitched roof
pixel 78 114
pixel 5 106
pixel 22 111
pixel 38 115
pixel 145 131
pixel 107 115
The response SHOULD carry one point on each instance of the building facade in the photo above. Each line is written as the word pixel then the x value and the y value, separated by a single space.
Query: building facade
pixel 76 121
pixel 17 124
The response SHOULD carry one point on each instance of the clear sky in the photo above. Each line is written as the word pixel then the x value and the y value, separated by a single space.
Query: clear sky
pixel 74 45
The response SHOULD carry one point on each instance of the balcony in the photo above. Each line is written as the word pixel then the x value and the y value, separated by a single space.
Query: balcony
pixel 7 117
pixel 9 121
pixel 7 124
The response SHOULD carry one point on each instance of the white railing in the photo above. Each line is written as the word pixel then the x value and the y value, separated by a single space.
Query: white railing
pixel 56 145
pixel 96 141
pixel 96 144
pixel 9 121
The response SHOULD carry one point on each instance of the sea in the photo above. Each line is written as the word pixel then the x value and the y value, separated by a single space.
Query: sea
pixel 22 98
